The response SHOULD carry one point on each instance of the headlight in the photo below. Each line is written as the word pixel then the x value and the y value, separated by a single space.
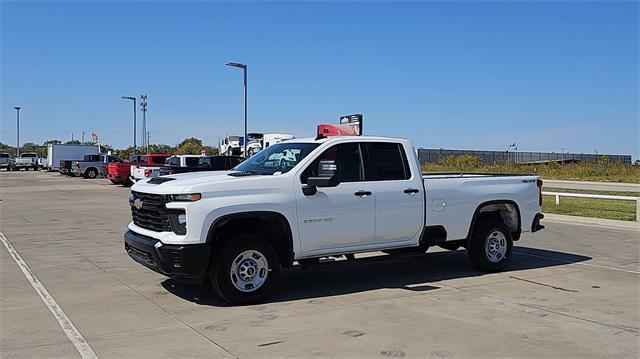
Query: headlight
pixel 192 197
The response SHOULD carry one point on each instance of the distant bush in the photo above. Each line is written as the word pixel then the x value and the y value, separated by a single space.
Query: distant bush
pixel 602 170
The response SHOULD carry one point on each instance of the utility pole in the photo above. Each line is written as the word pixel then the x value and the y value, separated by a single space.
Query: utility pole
pixel 145 139
pixel 135 147
pixel 82 143
pixel 244 69
pixel 17 130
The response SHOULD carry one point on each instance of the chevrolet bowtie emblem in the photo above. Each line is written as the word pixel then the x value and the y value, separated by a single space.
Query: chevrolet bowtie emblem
pixel 137 203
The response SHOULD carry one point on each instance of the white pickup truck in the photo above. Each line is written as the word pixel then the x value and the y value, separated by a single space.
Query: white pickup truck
pixel 27 160
pixel 304 199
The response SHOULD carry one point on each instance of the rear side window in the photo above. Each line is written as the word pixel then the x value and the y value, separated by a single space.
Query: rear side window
pixel 192 161
pixel 235 161
pixel 387 162
pixel 218 163
pixel 4 155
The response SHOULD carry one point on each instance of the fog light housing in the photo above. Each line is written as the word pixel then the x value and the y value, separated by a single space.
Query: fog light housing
pixel 178 221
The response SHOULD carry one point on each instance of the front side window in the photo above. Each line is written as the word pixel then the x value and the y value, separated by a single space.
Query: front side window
pixel 158 160
pixel 277 158
pixel 349 161
pixel 174 161
pixel 387 162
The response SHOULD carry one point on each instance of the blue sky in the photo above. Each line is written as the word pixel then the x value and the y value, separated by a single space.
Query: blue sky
pixel 472 75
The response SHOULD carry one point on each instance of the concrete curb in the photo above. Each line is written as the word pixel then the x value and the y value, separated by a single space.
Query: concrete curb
pixel 600 222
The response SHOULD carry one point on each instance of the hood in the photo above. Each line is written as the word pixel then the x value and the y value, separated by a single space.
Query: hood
pixel 200 182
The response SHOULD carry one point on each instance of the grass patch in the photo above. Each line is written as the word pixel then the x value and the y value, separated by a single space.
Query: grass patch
pixel 602 171
pixel 589 191
pixel 588 207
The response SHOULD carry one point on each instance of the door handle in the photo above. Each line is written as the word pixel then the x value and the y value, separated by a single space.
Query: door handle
pixel 363 193
pixel 411 191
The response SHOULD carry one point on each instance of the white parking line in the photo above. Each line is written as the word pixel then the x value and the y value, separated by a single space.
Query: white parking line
pixel 67 326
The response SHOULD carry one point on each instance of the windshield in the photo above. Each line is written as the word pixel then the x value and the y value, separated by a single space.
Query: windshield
pixel 25 155
pixel 277 158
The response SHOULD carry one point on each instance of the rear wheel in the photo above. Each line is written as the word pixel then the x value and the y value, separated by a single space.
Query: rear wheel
pixel 491 246
pixel 245 270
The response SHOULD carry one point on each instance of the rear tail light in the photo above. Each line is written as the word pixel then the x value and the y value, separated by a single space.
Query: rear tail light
pixel 147 173
pixel 172 172
pixel 539 183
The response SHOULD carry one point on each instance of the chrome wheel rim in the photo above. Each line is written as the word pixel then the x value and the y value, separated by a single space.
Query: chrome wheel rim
pixel 496 246
pixel 249 271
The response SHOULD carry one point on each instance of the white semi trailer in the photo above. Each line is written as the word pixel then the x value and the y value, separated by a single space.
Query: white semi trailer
pixel 60 151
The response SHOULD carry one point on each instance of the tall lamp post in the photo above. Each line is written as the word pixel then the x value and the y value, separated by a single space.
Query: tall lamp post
pixel 143 105
pixel 17 130
pixel 244 69
pixel 135 148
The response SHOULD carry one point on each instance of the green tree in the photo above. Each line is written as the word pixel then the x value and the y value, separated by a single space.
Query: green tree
pixel 161 149
pixel 190 146
pixel 210 150
pixel 73 142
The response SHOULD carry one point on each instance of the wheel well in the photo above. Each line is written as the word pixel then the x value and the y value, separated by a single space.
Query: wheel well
pixel 273 226
pixel 91 168
pixel 505 211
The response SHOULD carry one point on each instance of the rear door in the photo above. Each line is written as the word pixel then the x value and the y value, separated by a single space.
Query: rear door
pixel 341 216
pixel 398 193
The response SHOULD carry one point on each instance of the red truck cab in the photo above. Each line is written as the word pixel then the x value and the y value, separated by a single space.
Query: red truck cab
pixel 119 173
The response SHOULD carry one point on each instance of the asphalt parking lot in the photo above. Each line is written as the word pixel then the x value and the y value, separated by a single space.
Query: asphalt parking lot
pixel 571 291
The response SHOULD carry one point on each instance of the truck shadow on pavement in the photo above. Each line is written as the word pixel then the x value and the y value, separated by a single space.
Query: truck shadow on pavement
pixel 412 273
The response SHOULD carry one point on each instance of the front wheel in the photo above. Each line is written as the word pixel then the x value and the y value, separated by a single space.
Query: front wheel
pixel 91 173
pixel 491 246
pixel 245 270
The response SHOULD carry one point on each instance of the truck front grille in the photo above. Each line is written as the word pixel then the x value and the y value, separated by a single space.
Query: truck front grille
pixel 149 212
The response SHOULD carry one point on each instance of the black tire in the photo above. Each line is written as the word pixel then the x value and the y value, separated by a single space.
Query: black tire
pixel 91 173
pixel 482 253
pixel 450 245
pixel 220 270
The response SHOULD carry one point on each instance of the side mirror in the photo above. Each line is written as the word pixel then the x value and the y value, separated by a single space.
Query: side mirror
pixel 328 176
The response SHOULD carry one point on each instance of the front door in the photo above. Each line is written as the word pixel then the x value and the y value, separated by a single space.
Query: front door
pixel 341 216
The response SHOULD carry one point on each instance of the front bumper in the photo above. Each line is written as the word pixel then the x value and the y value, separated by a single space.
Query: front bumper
pixel 185 263
pixel 23 165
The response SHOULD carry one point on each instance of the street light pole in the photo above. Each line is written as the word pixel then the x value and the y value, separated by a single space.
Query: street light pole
pixel 143 106
pixel 135 147
pixel 17 130
pixel 244 69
